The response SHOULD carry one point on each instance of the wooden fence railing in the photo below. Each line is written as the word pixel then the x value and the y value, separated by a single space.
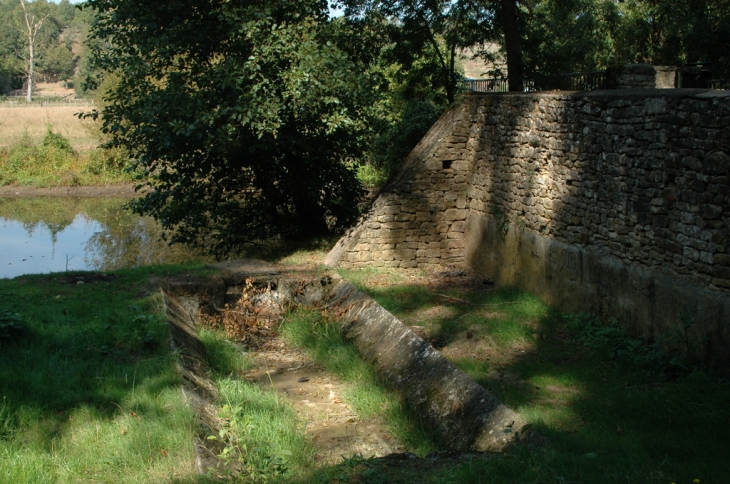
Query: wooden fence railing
pixel 19 102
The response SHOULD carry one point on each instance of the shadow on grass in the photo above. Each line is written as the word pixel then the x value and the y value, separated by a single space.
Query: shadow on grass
pixel 89 385
pixel 283 251
pixel 610 414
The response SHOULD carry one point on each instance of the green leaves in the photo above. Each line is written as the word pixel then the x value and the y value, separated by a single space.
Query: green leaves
pixel 240 113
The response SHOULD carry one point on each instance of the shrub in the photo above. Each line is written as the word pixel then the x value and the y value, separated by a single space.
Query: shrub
pixel 107 160
pixel 390 148
pixel 610 340
pixel 57 141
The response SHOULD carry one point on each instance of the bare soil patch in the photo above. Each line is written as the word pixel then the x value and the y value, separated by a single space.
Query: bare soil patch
pixel 123 190
pixel 318 397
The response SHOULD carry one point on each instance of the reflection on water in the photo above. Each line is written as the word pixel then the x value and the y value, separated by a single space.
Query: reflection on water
pixel 55 234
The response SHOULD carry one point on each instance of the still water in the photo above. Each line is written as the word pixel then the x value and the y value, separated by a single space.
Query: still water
pixel 57 234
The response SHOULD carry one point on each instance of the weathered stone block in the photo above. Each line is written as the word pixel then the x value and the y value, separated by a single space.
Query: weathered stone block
pixel 454 214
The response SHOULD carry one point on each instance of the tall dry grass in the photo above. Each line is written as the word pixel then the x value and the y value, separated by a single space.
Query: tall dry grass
pixel 15 122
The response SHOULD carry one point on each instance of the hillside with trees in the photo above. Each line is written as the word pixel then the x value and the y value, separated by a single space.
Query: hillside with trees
pixel 41 40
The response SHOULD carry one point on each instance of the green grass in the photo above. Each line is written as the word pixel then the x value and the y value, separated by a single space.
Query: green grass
pixel 311 330
pixel 262 431
pixel 88 391
pixel 88 386
pixel 613 410
pixel 224 359
pixel 505 316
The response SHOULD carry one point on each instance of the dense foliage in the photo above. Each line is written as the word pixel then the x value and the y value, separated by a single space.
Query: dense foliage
pixel 53 162
pixel 583 35
pixel 549 37
pixel 242 116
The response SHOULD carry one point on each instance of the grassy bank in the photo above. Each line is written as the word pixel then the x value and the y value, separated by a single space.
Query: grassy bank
pixel 89 391
pixel 54 162
pixel 88 386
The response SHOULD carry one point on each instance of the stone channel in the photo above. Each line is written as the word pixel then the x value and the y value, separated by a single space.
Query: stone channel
pixel 465 416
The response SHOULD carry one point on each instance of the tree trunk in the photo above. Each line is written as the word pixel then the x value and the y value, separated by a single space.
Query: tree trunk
pixel 515 68
pixel 33 29
pixel 31 67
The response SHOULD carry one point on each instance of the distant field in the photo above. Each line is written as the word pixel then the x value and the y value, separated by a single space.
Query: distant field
pixel 16 121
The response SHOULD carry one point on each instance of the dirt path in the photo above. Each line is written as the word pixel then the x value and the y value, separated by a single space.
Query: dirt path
pixel 335 429
pixel 124 190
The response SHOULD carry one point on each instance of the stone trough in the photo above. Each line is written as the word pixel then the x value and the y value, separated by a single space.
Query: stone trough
pixel 464 415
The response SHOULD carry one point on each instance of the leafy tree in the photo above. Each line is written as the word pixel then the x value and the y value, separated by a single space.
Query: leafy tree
pixel 57 63
pixel 240 116
pixel 663 32
pixel 88 76
pixel 427 32
pixel 583 35
pixel 410 89
pixel 47 25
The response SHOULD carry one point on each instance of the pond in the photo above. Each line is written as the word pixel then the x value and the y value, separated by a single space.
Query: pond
pixel 57 234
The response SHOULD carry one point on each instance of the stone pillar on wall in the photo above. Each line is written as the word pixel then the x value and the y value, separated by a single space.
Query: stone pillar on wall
pixel 666 77
pixel 631 76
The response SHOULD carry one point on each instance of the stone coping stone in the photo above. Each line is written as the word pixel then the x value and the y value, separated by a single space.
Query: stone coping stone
pixel 464 414
pixel 628 94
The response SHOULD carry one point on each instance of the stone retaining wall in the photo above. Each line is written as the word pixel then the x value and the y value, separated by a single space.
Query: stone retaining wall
pixel 613 202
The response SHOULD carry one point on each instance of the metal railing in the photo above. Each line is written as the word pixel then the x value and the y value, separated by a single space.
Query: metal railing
pixel 485 85
pixel 573 81
pixel 719 84
pixel 582 81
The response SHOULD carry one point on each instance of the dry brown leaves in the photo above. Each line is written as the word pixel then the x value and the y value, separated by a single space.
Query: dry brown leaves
pixel 250 320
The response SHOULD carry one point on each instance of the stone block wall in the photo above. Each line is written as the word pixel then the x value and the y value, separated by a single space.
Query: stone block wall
pixel 613 202
pixel 642 178
pixel 666 77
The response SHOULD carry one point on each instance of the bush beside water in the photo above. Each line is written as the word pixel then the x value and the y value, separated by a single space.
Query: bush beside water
pixel 55 163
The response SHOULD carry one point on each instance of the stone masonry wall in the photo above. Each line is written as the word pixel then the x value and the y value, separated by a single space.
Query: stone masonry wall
pixel 644 179
pixel 632 76
pixel 641 174
pixel 613 202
